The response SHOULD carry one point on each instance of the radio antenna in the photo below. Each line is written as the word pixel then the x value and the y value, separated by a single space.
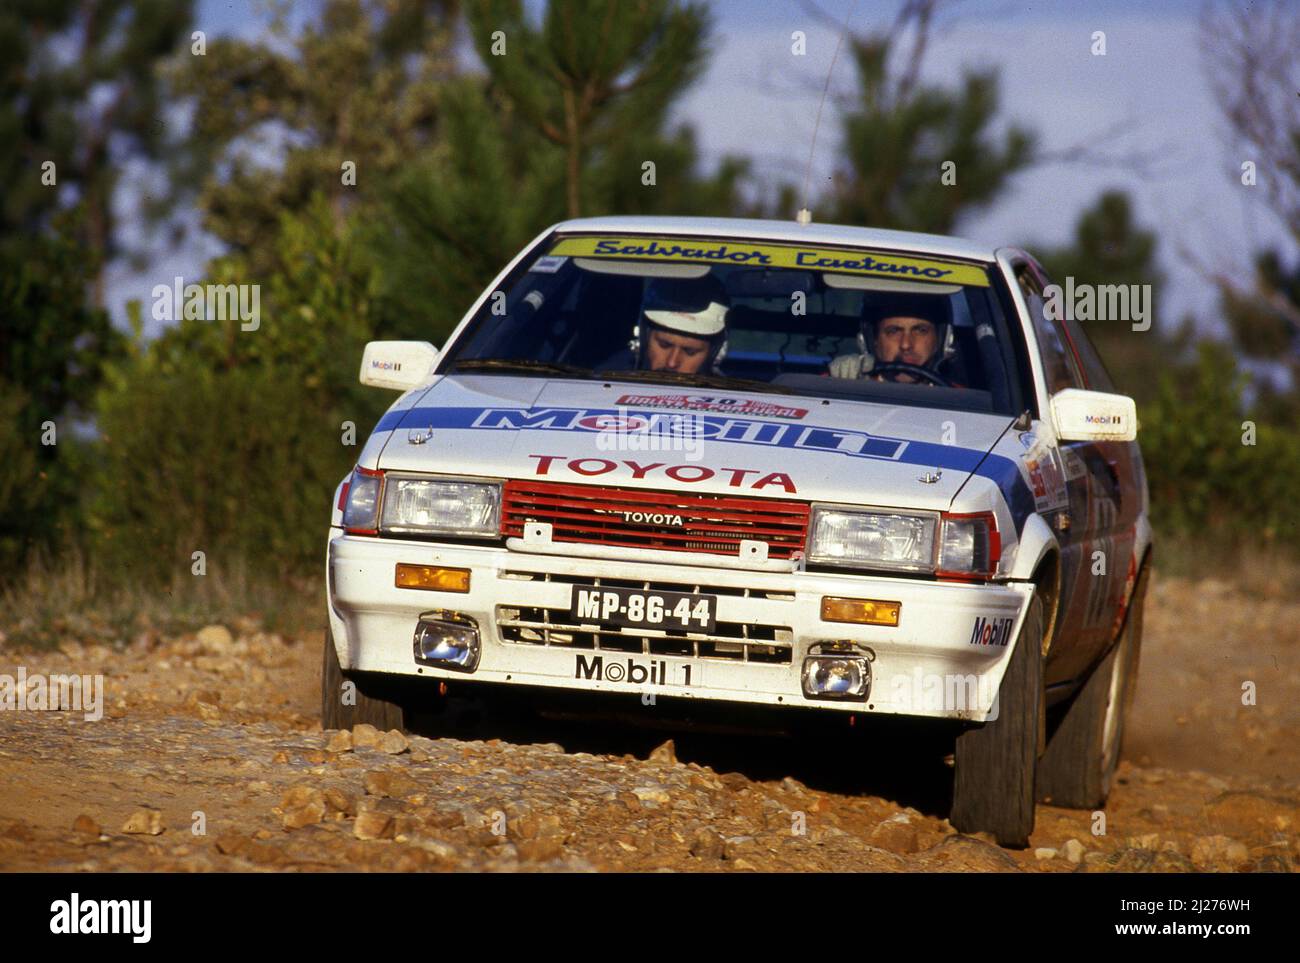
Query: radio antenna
pixel 805 214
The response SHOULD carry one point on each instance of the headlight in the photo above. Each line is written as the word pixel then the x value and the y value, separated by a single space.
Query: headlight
pixel 865 539
pixel 433 506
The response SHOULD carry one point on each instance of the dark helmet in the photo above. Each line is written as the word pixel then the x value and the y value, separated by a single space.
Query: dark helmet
pixel 935 308
pixel 692 306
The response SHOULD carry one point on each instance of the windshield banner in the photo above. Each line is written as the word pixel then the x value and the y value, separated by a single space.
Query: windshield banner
pixel 740 252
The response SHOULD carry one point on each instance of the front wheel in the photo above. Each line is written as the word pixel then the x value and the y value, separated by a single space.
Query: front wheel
pixel 347 701
pixel 1083 752
pixel 993 785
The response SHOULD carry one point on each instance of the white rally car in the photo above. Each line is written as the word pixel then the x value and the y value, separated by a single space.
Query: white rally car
pixel 782 464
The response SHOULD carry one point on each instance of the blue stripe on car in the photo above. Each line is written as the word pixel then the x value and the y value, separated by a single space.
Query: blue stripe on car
pixel 1000 470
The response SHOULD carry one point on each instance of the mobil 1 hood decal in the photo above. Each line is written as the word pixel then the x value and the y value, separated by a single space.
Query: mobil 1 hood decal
pixel 695 426
pixel 851 452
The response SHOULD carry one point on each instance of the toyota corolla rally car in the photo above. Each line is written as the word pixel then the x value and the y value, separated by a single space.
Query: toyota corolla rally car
pixel 782 464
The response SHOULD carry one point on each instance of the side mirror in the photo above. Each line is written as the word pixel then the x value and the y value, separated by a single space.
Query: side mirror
pixel 1080 415
pixel 397 364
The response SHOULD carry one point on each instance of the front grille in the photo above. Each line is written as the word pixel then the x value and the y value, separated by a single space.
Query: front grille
pixel 708 523
pixel 730 641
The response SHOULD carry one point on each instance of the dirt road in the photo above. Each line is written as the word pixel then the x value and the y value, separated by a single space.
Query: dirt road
pixel 209 757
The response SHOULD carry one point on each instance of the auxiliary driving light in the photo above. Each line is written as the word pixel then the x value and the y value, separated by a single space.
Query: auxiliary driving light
pixel 863 611
pixel 836 677
pixel 431 578
pixel 447 640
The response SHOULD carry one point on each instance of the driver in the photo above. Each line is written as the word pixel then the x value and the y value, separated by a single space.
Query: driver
pixel 683 326
pixel 913 329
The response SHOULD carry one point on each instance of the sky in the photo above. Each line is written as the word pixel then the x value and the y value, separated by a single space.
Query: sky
pixel 1146 97
pixel 1149 89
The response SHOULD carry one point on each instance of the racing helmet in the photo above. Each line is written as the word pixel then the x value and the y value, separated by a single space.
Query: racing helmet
pixel 935 308
pixel 696 307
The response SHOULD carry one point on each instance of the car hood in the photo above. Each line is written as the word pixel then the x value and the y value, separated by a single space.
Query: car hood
pixel 682 438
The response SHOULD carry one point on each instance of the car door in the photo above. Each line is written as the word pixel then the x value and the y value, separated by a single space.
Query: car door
pixel 1047 466
pixel 1122 482
pixel 1102 504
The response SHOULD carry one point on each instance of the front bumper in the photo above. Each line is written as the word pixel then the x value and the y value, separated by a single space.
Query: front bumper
pixel 937 662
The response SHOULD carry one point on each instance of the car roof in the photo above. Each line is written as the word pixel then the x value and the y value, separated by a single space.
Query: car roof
pixel 773 230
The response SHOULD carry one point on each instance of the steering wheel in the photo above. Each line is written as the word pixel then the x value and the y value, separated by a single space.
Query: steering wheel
pixel 915 370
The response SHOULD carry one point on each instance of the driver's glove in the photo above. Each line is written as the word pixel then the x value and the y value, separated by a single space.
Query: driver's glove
pixel 852 365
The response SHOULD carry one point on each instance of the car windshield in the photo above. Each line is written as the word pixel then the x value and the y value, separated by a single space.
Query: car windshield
pixel 748 315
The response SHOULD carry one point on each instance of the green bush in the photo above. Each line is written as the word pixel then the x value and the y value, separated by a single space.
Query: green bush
pixel 1204 475
pixel 229 442
pixel 53 348
pixel 23 487
pixel 238 464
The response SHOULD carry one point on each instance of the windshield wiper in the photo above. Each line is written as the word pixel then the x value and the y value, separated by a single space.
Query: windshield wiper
pixel 519 366
pixel 697 380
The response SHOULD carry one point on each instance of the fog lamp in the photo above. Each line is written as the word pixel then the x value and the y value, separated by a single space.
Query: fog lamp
pixel 447 640
pixel 836 677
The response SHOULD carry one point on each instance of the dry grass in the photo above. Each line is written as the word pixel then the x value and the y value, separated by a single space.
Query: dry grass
pixel 68 597
pixel 1269 571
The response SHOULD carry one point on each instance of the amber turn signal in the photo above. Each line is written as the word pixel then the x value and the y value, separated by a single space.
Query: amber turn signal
pixel 432 578
pixel 864 611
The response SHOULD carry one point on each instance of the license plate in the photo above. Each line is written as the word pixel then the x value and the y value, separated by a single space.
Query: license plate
pixel 635 609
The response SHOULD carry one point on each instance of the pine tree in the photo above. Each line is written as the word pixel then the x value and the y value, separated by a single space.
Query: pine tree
pixel 1109 248
pixel 505 167
pixel 349 99
pixel 595 79
pixel 81 91
pixel 1251 59
pixel 900 134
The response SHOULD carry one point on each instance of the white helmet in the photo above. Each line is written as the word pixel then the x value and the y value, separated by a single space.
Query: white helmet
pixel 692 306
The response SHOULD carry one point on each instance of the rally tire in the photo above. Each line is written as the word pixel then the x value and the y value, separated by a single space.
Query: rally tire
pixel 1083 749
pixel 995 763
pixel 375 703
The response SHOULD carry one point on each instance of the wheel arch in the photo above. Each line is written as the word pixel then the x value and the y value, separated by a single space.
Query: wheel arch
pixel 1047 584
pixel 1038 560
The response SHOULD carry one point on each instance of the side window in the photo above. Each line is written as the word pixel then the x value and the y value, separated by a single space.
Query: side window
pixel 1099 378
pixel 1058 363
